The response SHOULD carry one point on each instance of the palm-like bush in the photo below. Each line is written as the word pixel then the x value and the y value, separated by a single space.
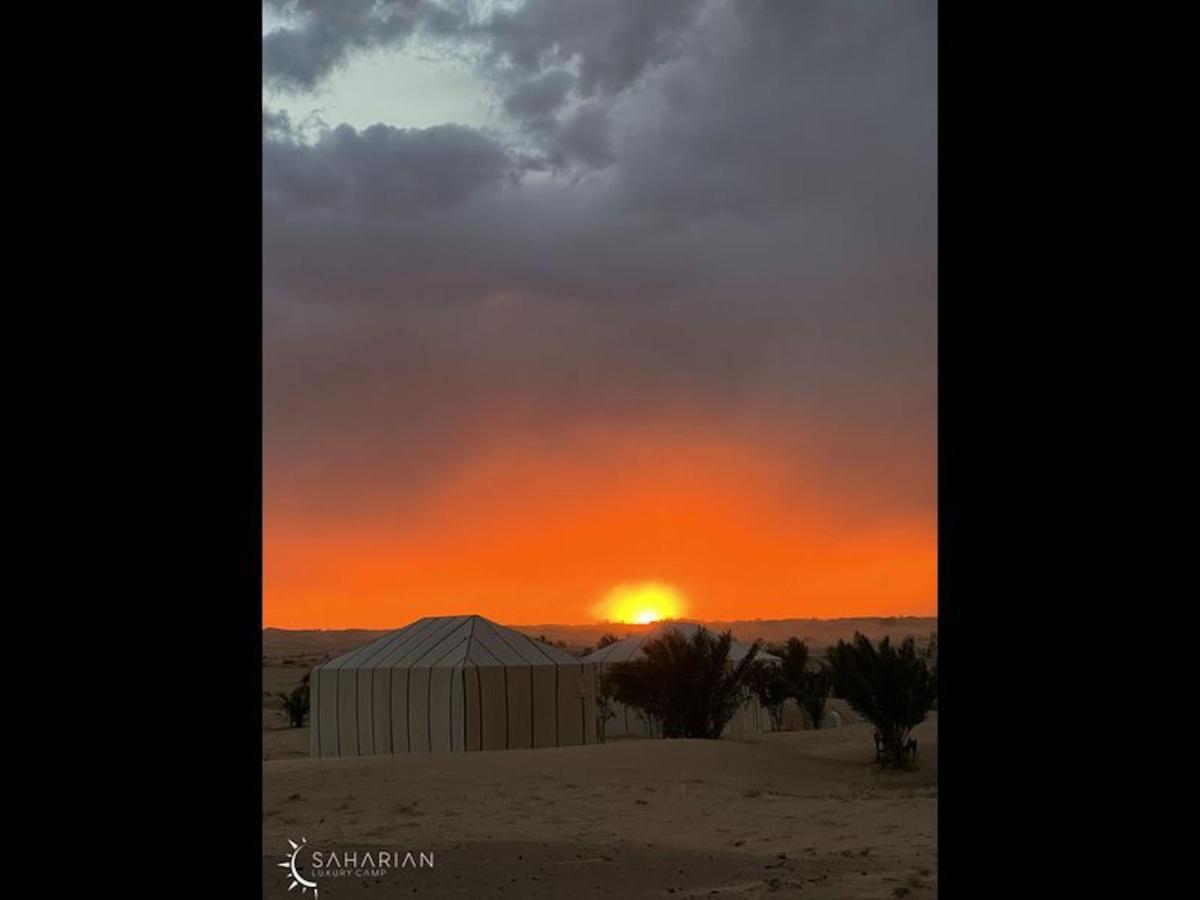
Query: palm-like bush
pixel 815 685
pixel 296 703
pixel 687 686
pixel 806 681
pixel 891 687
pixel 771 688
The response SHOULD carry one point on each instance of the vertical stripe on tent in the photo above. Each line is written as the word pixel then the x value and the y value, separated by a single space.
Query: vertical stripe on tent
pixel 493 715
pixel 400 710
pixel 327 710
pixel 543 704
pixel 507 711
pixel 479 703
pixel 364 685
pixel 387 676
pixel 532 709
pixel 381 711
pixel 520 707
pixel 556 743
pixel 456 708
pixel 354 692
pixel 337 710
pixel 441 722
pixel 418 722
pixel 472 708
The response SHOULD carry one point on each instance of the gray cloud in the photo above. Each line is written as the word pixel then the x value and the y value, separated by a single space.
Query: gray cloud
pixel 380 171
pixel 537 99
pixel 612 42
pixel 728 219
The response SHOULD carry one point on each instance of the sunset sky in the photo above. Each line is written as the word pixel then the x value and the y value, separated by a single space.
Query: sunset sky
pixel 574 303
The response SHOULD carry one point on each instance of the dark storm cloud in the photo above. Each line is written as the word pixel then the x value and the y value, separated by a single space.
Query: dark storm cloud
pixel 380 171
pixel 613 42
pixel 537 99
pixel 727 217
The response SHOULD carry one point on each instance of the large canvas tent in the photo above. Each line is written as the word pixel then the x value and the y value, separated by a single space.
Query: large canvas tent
pixel 750 719
pixel 450 684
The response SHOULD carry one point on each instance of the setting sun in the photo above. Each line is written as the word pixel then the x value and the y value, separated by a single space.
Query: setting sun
pixel 641 603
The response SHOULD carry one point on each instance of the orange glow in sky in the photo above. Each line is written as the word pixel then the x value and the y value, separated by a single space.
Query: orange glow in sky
pixel 605 530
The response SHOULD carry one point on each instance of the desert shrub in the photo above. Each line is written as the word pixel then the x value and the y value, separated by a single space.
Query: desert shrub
pixel 296 703
pixel 770 687
pixel 890 686
pixel 815 685
pixel 605 640
pixel 807 680
pixel 688 686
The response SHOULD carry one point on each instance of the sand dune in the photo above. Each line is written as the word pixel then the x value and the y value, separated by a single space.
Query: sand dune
pixel 794 813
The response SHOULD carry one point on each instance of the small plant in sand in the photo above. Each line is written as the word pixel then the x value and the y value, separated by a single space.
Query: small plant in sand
pixel 295 704
pixel 687 685
pixel 605 640
pixel 890 686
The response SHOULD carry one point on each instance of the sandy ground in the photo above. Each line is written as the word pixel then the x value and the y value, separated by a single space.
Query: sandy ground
pixel 790 814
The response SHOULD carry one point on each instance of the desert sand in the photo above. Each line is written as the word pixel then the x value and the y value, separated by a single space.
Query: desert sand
pixel 789 814
pixel 797 813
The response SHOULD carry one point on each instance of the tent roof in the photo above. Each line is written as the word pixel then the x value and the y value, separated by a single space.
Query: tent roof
pixel 449 641
pixel 631 647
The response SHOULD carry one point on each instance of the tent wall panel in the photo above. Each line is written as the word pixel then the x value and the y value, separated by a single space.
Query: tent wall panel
pixel 520 707
pixel 494 716
pixel 399 703
pixel 570 705
pixel 330 738
pixel 418 710
pixel 473 718
pixel 545 706
pixel 381 709
pixel 457 710
pixel 440 680
pixel 347 715
pixel 365 706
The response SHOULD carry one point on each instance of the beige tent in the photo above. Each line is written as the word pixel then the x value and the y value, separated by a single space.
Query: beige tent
pixel 448 684
pixel 750 719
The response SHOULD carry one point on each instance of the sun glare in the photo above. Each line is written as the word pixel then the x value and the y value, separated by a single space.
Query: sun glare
pixel 641 603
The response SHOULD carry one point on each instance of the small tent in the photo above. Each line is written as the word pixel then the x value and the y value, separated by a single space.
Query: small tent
pixel 750 719
pixel 448 684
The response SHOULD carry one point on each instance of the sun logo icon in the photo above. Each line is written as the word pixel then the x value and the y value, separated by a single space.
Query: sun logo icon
pixel 294 876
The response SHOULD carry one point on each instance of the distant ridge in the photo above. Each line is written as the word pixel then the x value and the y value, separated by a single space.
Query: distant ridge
pixel 314 644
